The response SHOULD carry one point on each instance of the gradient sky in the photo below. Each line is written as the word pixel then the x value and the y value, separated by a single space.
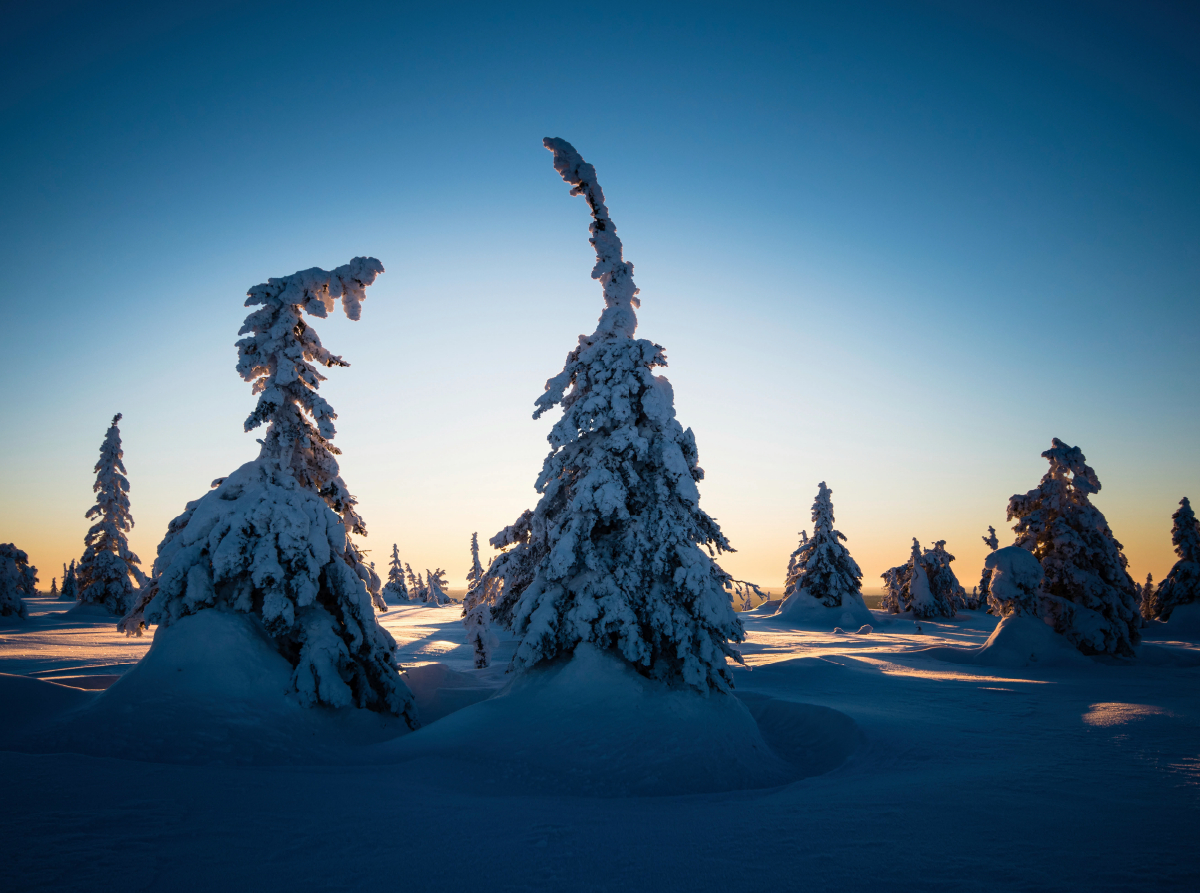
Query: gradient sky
pixel 893 247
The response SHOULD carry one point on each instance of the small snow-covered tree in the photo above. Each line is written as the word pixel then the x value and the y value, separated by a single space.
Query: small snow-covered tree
pixel 53 587
pixel 396 587
pixel 1181 585
pixel 617 551
pixel 70 586
pixel 1084 568
pixel 435 587
pixel 792 559
pixel 272 539
pixel 926 585
pixel 1145 596
pixel 985 579
pixel 477 608
pixel 108 572
pixel 821 568
pixel 476 573
pixel 18 581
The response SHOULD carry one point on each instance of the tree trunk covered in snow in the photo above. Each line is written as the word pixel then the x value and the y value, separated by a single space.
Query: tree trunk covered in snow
pixel 108 571
pixel 271 540
pixel 617 551
pixel 1095 603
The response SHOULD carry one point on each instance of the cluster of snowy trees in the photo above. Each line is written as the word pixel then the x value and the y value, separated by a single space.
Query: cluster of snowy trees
pixel 404 586
pixel 926 585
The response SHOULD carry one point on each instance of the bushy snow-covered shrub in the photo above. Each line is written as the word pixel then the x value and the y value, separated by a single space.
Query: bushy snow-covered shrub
pixel 1181 585
pixel 821 568
pixel 1096 605
pixel 617 550
pixel 396 588
pixel 18 581
pixel 108 573
pixel 271 540
pixel 926 585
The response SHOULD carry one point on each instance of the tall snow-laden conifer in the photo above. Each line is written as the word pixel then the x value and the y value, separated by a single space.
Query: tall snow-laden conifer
pixel 985 578
pixel 396 587
pixel 18 581
pixel 272 539
pixel 70 586
pixel 1181 585
pixel 108 573
pixel 618 552
pixel 821 571
pixel 1092 600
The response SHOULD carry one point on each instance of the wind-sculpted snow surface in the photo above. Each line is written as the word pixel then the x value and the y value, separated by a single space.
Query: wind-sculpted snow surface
pixel 1094 603
pixel 824 583
pixel 109 570
pixel 615 551
pixel 1181 586
pixel 271 539
pixel 18 581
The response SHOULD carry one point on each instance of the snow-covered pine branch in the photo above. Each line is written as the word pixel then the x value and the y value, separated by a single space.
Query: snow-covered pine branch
pixel 271 539
pixel 1181 585
pixel 1092 598
pixel 396 588
pixel 618 551
pixel 108 573
pixel 18 581
pixel 821 573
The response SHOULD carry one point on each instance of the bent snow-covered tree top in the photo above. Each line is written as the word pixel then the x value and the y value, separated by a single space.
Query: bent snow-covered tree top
pixel 617 551
pixel 108 573
pixel 271 539
pixel 1089 596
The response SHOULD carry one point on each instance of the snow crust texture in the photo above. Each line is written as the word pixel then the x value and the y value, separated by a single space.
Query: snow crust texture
pixel 108 573
pixel 1086 595
pixel 617 552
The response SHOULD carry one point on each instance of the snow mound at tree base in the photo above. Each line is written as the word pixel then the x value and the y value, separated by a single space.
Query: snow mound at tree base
pixel 1184 623
pixel 211 690
pixel 593 726
pixel 1018 641
pixel 87 609
pixel 803 611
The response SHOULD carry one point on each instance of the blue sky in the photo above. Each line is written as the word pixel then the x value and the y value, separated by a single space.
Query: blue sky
pixel 894 247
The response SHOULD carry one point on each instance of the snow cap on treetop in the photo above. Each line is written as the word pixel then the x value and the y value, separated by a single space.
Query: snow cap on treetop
pixel 614 272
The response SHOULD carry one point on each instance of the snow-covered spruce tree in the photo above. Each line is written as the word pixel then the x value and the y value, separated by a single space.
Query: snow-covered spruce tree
pixel 435 587
pixel 985 579
pixel 1181 585
pixel 476 573
pixel 617 552
pixel 794 557
pixel 925 585
pixel 1145 596
pixel 477 608
pixel 821 571
pixel 396 587
pixel 18 581
pixel 53 587
pixel 70 586
pixel 271 539
pixel 108 572
pixel 1093 599
pixel 942 581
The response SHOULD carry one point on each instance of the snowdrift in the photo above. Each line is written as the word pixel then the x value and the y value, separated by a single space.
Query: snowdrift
pixel 211 689
pixel 1184 624
pixel 802 611
pixel 593 726
pixel 1018 641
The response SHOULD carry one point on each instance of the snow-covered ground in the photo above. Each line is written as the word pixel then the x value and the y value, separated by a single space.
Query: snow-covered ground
pixel 922 773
